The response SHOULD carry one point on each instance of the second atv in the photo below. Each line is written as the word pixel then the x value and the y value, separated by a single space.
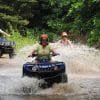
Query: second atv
pixel 7 47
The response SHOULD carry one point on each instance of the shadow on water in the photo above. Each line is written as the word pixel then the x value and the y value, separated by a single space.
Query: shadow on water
pixel 27 97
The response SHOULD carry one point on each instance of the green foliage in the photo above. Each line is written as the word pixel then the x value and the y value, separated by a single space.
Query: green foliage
pixel 15 12
pixel 6 8
pixel 21 41
pixel 76 6
pixel 13 19
pixel 34 17
pixel 94 37
pixel 57 25
pixel 96 22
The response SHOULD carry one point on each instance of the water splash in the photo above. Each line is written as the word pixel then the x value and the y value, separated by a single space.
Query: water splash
pixel 17 85
pixel 80 58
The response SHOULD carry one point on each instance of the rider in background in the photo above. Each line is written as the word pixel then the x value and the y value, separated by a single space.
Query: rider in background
pixel 64 40
pixel 43 49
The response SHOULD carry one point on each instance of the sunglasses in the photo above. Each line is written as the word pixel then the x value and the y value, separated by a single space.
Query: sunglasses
pixel 44 40
pixel 64 36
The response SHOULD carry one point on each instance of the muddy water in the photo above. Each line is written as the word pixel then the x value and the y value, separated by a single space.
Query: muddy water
pixel 82 66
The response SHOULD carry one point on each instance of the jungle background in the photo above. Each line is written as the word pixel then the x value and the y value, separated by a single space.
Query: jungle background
pixel 25 20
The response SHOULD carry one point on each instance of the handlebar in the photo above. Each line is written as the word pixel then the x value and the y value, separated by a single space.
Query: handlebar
pixel 55 54
pixel 52 54
pixel 32 55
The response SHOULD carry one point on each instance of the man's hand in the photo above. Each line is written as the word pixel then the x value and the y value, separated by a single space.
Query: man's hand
pixel 29 55
pixel 32 55
pixel 55 54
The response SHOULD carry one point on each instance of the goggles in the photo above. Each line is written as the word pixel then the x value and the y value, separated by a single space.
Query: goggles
pixel 44 40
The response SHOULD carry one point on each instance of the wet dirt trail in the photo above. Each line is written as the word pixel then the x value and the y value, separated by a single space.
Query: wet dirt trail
pixel 84 83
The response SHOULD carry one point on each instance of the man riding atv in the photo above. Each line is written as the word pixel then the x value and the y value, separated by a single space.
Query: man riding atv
pixel 43 49
pixel 43 68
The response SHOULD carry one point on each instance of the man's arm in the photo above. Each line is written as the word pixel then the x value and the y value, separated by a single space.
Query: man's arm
pixel 34 50
pixel 70 44
pixel 31 54
pixel 1 31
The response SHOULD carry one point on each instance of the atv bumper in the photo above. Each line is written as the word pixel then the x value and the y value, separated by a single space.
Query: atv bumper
pixel 43 73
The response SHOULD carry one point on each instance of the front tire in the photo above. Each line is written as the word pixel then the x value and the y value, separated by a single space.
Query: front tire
pixel 64 78
pixel 43 85
pixel 11 55
pixel 1 53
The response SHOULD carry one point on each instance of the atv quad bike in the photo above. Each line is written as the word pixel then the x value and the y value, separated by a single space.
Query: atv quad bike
pixel 50 71
pixel 7 47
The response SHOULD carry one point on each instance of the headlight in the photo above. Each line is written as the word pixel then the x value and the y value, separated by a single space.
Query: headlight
pixel 8 43
pixel 12 44
pixel 34 69
pixel 1 43
pixel 56 68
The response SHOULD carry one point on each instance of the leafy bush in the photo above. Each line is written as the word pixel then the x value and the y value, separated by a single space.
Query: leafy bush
pixel 20 40
pixel 94 37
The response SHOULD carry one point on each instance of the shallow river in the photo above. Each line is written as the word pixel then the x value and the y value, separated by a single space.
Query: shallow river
pixel 82 67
